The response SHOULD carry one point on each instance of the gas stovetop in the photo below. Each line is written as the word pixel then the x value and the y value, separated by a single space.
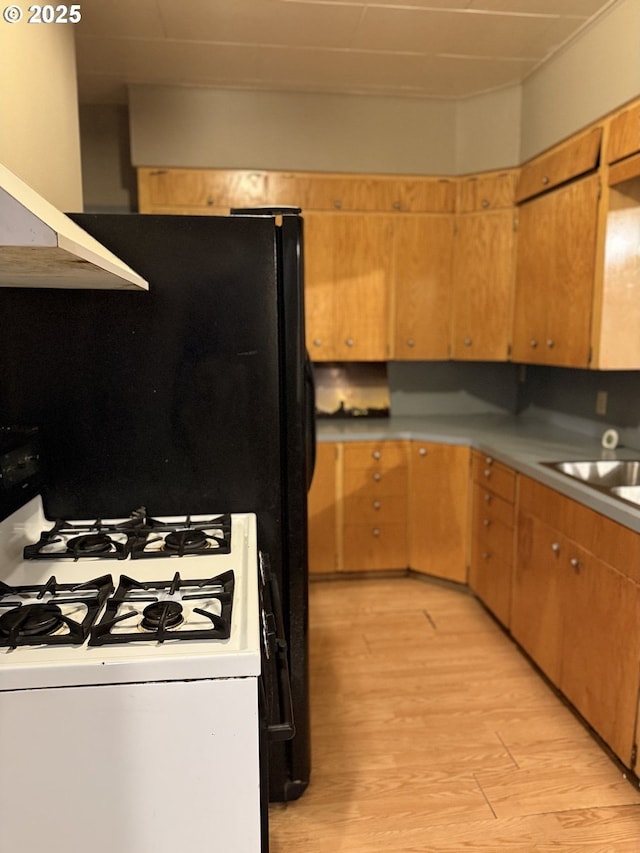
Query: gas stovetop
pixel 100 601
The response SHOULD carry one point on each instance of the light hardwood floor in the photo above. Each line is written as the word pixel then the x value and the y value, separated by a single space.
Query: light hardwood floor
pixel 431 733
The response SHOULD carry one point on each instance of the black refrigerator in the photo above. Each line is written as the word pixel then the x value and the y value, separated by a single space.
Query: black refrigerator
pixel 195 396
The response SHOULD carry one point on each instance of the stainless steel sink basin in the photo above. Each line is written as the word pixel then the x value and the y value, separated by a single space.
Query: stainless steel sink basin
pixel 618 478
pixel 603 472
pixel 628 493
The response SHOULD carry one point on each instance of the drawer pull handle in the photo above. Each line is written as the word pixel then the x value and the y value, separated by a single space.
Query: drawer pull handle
pixel 575 562
pixel 555 547
pixel 377 476
pixel 487 472
pixel 545 179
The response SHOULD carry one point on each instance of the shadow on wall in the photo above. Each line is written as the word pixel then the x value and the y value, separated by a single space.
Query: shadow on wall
pixel 453 388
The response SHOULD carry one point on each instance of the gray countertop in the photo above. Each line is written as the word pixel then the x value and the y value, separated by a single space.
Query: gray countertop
pixel 521 443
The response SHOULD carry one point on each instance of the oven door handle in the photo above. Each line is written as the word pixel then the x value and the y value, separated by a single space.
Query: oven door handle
pixel 284 729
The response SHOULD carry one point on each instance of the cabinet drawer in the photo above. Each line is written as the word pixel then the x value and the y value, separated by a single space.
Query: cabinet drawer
pixel 375 483
pixel 486 192
pixel 382 455
pixel 491 539
pixel 573 158
pixel 494 476
pixel 624 134
pixel 375 509
pixel 205 188
pixel 491 507
pixel 375 547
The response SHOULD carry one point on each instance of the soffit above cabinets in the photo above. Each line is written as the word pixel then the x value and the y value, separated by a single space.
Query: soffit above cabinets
pixel 41 247
pixel 407 48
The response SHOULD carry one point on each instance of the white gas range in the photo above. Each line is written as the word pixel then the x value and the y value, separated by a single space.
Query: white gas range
pixel 130 656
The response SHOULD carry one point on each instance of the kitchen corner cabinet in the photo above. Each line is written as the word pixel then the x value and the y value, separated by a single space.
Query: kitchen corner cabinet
pixel 484 268
pixel 492 533
pixel 322 506
pixel 422 262
pixel 555 272
pixel 374 506
pixel 576 608
pixel 348 269
pixel 439 509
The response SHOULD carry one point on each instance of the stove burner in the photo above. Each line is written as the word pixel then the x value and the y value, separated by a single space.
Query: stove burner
pixel 162 615
pixel 90 544
pixel 30 620
pixel 186 541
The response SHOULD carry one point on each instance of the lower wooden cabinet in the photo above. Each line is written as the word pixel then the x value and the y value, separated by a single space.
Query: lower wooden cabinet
pixel 577 615
pixel 439 509
pixel 374 511
pixel 492 534
pixel 322 511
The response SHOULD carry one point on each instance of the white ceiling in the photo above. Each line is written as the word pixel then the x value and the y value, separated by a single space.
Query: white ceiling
pixel 408 48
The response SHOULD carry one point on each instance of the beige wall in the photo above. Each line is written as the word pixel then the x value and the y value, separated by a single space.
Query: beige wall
pixel 108 179
pixel 39 133
pixel 595 74
pixel 488 131
pixel 173 126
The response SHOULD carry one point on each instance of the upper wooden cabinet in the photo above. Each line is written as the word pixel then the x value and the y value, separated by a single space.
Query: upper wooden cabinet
pixel 624 134
pixel 555 274
pixel 348 267
pixel 573 158
pixel 422 251
pixel 484 268
pixel 161 190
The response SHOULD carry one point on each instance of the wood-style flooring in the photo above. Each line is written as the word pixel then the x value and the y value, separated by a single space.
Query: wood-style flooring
pixel 432 733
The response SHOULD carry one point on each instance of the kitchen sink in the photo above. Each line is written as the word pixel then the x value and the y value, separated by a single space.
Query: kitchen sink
pixel 603 472
pixel 619 478
pixel 628 493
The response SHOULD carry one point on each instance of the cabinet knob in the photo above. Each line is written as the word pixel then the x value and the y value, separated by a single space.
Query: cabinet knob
pixel 317 342
pixel 485 202
pixel 550 342
pixel 533 343
pixel 486 555
pixel 487 472
pixel 487 498
pixel 411 342
pixel 377 504
pixel 486 522
pixel 376 454
pixel 422 451
pixel 575 562
pixel 375 531
pixel 337 204
pixel 555 547
pixel 467 342
pixel 377 476
pixel 545 179
pixel 349 342
pixel 210 201
pixel 397 205
pixel 488 460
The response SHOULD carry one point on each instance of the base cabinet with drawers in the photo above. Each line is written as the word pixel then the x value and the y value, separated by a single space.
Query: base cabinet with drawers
pixel 493 489
pixel 576 608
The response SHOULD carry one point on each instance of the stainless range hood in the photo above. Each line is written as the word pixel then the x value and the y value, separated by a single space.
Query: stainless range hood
pixel 41 247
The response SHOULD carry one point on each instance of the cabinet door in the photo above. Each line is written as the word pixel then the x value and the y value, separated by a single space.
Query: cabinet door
pixel 438 509
pixel 483 280
pixel 348 264
pixel 601 646
pixel 322 511
pixel 555 276
pixel 422 252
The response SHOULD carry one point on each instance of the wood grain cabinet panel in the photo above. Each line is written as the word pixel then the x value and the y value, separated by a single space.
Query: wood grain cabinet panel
pixel 439 509
pixel 486 191
pixel 577 156
pixel 422 267
pixel 322 510
pixel 624 134
pixel 577 615
pixel 555 276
